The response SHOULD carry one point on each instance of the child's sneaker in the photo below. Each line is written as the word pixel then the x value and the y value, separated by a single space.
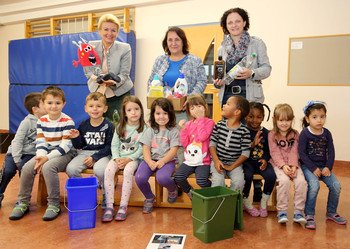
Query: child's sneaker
pixel 336 218
pixel 252 210
pixel 172 196
pixel 19 211
pixel 51 212
pixel 282 217
pixel 148 205
pixel 299 218
pixel 310 222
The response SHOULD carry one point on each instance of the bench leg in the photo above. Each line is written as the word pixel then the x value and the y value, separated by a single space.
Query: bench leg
pixel 42 192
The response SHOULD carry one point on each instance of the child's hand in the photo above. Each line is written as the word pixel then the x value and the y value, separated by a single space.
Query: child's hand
pixel 263 164
pixel 326 172
pixel 228 167
pixel 89 162
pixel 182 124
pixel 160 164
pixel 257 139
pixel 317 172
pixel 198 111
pixel 73 133
pixel 40 161
pixel 152 165
pixel 294 172
pixel 219 166
pixel 287 170
pixel 122 162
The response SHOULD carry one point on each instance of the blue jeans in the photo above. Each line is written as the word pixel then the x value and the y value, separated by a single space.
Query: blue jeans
pixel 9 169
pixel 314 186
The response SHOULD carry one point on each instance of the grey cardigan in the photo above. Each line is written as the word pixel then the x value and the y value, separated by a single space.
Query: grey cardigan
pixel 261 67
pixel 118 62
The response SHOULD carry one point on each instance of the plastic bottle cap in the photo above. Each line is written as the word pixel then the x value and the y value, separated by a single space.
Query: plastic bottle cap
pixel 253 55
pixel 181 76
pixel 156 77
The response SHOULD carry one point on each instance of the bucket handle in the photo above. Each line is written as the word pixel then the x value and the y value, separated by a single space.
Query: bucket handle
pixel 73 211
pixel 205 222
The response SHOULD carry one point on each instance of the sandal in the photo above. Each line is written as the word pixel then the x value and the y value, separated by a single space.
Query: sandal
pixel 108 215
pixel 121 214
pixel 148 205
pixel 336 218
pixel 310 222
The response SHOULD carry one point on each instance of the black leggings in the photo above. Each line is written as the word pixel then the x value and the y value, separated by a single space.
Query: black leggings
pixel 202 176
pixel 253 167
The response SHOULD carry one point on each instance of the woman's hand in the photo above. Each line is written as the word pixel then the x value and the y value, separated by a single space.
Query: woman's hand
pixel 219 82
pixel 109 82
pixel 244 74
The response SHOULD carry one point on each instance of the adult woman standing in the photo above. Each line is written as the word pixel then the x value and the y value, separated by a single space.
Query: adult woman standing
pixel 115 57
pixel 176 60
pixel 236 45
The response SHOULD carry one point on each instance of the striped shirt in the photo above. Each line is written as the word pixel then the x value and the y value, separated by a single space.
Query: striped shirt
pixel 230 144
pixel 53 136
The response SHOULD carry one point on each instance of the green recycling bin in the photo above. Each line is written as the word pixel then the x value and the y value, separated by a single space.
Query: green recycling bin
pixel 214 213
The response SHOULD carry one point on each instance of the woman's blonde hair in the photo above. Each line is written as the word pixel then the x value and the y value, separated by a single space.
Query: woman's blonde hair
pixel 108 18
pixel 283 111
pixel 196 99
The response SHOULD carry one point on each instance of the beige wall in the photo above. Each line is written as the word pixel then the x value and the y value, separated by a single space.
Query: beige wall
pixel 272 20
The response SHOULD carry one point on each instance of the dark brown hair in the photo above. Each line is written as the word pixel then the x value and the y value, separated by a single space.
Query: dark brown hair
pixel 167 106
pixel 316 106
pixel 32 100
pixel 242 104
pixel 243 13
pixel 54 91
pixel 182 36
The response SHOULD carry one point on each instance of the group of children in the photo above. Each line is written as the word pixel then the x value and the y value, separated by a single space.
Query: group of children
pixel 237 147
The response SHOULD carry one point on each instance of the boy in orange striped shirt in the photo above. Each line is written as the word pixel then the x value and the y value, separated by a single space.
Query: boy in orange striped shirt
pixel 53 152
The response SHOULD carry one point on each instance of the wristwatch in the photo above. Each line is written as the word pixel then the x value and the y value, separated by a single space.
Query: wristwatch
pixel 253 74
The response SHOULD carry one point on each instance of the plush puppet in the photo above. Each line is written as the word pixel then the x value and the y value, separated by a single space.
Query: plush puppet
pixel 89 58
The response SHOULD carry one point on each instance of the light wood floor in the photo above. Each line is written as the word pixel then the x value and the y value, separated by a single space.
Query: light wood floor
pixel 136 231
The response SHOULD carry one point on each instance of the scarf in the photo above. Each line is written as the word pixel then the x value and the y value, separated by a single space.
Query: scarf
pixel 235 54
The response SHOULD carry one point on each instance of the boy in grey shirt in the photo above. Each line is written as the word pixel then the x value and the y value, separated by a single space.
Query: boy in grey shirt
pixel 22 147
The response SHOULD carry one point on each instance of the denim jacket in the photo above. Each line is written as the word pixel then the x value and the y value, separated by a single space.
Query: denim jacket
pixel 192 68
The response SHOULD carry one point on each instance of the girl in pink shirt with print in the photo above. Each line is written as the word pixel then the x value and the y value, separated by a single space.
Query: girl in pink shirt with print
pixel 195 138
pixel 283 144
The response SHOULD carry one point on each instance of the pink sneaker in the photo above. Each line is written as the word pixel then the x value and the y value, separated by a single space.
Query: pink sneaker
pixel 253 212
pixel 263 212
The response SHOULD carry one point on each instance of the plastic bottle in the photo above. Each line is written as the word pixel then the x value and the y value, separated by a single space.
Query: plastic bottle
pixel 219 69
pixel 155 88
pixel 247 61
pixel 166 90
pixel 181 86
pixel 156 81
